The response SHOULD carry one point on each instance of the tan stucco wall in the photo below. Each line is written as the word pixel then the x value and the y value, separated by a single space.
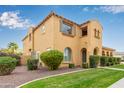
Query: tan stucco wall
pixel 28 44
pixel 95 42
pixel 44 40
pixel 62 41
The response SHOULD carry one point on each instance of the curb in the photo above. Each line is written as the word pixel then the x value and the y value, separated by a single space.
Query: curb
pixel 51 76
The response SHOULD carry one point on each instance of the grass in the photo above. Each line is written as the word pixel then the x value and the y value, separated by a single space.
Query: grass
pixel 94 78
pixel 120 66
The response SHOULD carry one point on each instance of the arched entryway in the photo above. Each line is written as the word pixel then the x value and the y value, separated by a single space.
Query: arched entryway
pixel 96 51
pixel 84 55
pixel 103 53
pixel 67 54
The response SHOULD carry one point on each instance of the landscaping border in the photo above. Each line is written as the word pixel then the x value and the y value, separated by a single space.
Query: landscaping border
pixel 52 76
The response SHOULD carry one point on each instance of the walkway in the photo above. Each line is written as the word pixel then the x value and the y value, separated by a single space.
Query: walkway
pixel 20 75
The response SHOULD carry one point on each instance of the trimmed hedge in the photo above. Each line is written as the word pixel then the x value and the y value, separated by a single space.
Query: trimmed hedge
pixel 7 65
pixel 118 60
pixel 52 59
pixel 32 64
pixel 103 60
pixel 94 61
pixel 71 65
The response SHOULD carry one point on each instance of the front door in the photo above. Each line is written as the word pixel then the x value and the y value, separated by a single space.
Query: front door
pixel 84 55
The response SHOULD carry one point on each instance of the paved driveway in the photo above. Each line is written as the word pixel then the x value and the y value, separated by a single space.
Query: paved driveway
pixel 20 75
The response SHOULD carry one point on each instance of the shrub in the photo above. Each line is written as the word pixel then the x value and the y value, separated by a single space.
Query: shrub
pixel 103 60
pixel 85 65
pixel 18 58
pixel 52 59
pixel 7 65
pixel 32 64
pixel 94 61
pixel 118 60
pixel 111 61
pixel 2 54
pixel 122 60
pixel 114 60
pixel 71 65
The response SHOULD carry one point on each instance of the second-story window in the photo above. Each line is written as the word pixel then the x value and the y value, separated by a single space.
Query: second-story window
pixel 66 28
pixel 30 37
pixel 96 33
pixel 84 31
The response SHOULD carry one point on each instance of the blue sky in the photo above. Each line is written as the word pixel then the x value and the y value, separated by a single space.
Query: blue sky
pixel 15 20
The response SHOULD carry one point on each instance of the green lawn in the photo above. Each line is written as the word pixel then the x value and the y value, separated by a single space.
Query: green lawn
pixel 94 78
pixel 121 66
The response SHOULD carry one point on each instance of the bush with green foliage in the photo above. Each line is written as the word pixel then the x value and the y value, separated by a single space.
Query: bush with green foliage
pixel 111 61
pixel 108 61
pixel 2 54
pixel 32 64
pixel 118 60
pixel 114 60
pixel 85 65
pixel 18 58
pixel 7 65
pixel 94 61
pixel 52 59
pixel 71 65
pixel 103 60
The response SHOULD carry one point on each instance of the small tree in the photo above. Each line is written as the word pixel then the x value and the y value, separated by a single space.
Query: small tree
pixel 52 59
pixel 13 47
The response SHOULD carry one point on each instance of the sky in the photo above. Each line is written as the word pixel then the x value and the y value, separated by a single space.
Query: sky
pixel 15 21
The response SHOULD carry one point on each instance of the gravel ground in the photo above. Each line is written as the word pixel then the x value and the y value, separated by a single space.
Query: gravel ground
pixel 20 75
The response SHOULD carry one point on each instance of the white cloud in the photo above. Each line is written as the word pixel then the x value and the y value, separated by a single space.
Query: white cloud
pixel 113 9
pixel 13 20
pixel 86 9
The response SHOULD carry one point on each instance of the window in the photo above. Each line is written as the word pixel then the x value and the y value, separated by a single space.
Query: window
pixel 96 33
pixel 103 53
pixel 111 54
pixel 84 31
pixel 84 55
pixel 96 51
pixel 43 29
pixel 67 54
pixel 107 53
pixel 66 28
pixel 30 37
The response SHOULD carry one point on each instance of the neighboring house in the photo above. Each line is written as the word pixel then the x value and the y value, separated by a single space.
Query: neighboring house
pixel 119 54
pixel 76 41
pixel 107 51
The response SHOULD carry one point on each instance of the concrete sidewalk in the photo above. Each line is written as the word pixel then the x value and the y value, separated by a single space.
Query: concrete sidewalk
pixel 118 84
pixel 112 68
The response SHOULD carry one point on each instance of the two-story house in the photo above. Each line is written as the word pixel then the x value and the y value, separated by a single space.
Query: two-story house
pixel 76 41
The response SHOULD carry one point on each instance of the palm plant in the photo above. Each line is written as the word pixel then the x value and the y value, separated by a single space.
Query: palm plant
pixel 13 47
